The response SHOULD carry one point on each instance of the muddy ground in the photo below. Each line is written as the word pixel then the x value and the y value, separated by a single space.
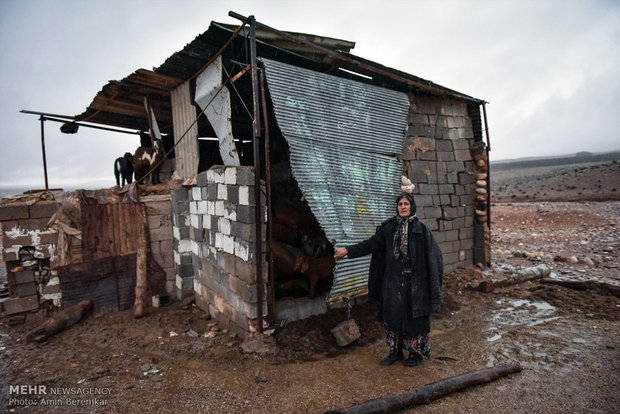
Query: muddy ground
pixel 175 360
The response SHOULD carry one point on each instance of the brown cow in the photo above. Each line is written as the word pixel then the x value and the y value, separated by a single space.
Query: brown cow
pixel 315 269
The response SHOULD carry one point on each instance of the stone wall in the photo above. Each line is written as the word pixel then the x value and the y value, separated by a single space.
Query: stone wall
pixel 438 160
pixel 215 246
pixel 28 247
pixel 29 250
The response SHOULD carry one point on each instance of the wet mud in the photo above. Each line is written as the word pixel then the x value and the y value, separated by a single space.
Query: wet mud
pixel 176 360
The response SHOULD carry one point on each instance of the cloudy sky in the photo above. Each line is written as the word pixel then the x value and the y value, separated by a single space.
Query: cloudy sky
pixel 550 70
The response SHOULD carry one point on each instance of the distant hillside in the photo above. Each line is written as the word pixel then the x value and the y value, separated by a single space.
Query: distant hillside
pixel 579 158
pixel 565 182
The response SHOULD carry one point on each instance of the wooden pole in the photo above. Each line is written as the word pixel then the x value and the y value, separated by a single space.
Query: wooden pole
pixel 426 393
pixel 524 275
pixel 585 284
pixel 139 308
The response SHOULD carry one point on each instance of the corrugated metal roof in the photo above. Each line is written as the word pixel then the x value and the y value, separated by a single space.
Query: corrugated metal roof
pixel 119 102
pixel 343 138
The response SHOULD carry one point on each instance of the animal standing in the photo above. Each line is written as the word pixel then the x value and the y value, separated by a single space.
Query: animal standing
pixel 149 159
pixel 315 269
pixel 123 167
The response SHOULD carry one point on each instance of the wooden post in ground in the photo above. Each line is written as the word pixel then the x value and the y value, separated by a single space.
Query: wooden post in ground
pixel 139 308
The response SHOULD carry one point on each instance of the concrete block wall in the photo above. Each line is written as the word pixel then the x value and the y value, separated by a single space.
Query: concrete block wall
pixel 159 217
pixel 222 244
pixel 28 247
pixel 181 242
pixel 438 160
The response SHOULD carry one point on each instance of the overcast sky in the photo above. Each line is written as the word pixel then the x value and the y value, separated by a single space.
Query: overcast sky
pixel 550 70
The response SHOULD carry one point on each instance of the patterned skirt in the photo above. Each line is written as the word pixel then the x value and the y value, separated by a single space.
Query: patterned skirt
pixel 419 345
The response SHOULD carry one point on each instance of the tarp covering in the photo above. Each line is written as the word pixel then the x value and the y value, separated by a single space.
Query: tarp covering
pixel 343 137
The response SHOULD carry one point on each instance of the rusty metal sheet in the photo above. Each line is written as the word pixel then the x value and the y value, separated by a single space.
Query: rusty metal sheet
pixel 109 230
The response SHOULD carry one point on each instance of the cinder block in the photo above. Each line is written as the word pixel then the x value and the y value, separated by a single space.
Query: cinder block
pixel 245 270
pixel 222 192
pixel 230 211
pixel 445 156
pixel 427 156
pixel 431 212
pixel 16 241
pixel 418 119
pixel 17 305
pixel 216 174
pixel 14 212
pixel 467 133
pixel 179 195
pixel 201 179
pixel 25 276
pixel 180 207
pixel 421 131
pixel 233 194
pixel 211 191
pixel 446 188
pixel 443 145
pixel 48 237
pixel 230 176
pixel 43 209
pixel 26 289
pixel 160 234
pixel 427 189
pixel 462 155
pixel 461 144
pixel 245 214
pixel 158 208
pixel 245 176
pixel 243 231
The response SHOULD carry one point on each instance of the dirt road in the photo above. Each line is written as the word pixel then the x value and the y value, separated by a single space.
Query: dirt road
pixel 176 361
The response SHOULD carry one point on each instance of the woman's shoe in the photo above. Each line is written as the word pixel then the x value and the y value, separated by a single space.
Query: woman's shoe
pixel 414 360
pixel 393 357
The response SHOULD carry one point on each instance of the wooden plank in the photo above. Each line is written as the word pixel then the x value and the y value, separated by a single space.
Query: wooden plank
pixel 109 230
pixel 116 228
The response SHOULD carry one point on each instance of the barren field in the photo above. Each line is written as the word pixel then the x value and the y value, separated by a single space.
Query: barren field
pixel 175 360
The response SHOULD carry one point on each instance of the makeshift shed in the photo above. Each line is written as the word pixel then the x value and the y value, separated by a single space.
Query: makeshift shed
pixel 284 138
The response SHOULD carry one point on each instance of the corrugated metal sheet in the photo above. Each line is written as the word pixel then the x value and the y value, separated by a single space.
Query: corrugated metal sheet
pixel 184 115
pixel 343 137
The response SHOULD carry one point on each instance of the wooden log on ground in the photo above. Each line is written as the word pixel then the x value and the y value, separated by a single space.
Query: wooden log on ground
pixel 61 321
pixel 429 392
pixel 139 308
pixel 585 284
pixel 524 275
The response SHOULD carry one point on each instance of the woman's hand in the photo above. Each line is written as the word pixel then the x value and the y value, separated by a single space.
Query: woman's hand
pixel 340 253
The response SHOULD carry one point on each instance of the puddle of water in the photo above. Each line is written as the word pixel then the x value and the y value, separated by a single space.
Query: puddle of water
pixel 515 312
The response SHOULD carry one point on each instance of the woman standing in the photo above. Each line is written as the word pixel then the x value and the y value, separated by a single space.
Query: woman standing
pixel 406 273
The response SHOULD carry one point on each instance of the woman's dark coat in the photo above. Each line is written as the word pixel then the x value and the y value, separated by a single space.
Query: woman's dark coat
pixel 425 260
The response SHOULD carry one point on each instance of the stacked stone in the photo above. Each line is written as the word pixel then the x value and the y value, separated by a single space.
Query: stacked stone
pixel 28 246
pixel 182 253
pixel 482 252
pixel 159 213
pixel 438 161
pixel 223 246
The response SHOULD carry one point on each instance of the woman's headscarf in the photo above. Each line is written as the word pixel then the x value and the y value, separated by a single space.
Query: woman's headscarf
pixel 401 235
